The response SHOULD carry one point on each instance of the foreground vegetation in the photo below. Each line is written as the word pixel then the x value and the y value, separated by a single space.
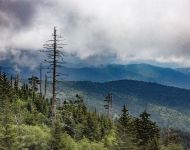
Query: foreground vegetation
pixel 25 123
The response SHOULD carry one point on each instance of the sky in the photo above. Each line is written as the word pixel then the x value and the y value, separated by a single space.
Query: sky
pixel 99 31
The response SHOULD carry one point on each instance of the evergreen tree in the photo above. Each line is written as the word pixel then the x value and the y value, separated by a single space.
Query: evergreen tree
pixel 125 131
pixel 147 131
pixel 56 139
pixel 33 81
pixel 124 120
pixel 6 120
pixel 92 128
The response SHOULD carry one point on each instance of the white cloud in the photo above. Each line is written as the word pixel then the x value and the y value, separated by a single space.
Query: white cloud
pixel 125 30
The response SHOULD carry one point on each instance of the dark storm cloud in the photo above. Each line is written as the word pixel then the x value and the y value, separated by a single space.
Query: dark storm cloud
pixel 17 13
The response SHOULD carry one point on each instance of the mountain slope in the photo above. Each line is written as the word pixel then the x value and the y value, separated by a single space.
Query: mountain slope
pixel 169 105
pixel 184 70
pixel 140 72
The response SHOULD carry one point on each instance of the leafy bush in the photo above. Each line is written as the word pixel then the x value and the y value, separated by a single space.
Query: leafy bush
pixel 85 144
pixel 31 137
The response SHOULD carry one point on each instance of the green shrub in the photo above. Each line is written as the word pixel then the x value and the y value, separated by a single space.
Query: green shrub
pixel 85 144
pixel 32 137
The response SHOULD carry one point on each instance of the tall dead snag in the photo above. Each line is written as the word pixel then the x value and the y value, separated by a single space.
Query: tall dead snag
pixel 16 82
pixel 55 59
pixel 108 105
pixel 11 80
pixel 40 79
pixel 45 86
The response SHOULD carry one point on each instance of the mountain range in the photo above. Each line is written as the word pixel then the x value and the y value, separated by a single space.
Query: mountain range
pixel 141 72
pixel 161 91
pixel 177 77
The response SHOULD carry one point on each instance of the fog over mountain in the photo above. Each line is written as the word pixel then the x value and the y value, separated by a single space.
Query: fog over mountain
pixel 99 32
pixel 23 63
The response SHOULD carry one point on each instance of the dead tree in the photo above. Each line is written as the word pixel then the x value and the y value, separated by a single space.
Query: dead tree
pixel 41 73
pixel 16 82
pixel 108 105
pixel 40 79
pixel 0 70
pixel 11 80
pixel 53 49
pixel 45 86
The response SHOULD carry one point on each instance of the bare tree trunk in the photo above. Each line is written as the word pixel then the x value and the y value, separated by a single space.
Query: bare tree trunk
pixel 40 79
pixel 53 108
pixel 45 87
pixel 55 60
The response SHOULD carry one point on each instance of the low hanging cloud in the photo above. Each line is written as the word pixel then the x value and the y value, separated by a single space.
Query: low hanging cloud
pixel 100 32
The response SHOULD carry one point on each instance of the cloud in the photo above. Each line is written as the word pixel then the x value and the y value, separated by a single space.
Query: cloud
pixel 20 59
pixel 98 32
pixel 16 13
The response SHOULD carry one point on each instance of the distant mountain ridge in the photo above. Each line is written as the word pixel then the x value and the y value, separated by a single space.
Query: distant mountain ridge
pixel 179 77
pixel 140 72
pixel 184 70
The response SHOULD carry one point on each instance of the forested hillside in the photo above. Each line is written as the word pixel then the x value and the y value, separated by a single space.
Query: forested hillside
pixel 169 106
pixel 26 124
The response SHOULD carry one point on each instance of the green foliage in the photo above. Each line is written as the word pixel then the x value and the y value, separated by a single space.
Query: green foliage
pixel 92 128
pixel 79 123
pixel 167 105
pixel 15 137
pixel 57 132
pixel 67 143
pixel 34 81
pixel 147 131
pixel 25 124
pixel 86 144
pixel 172 147
pixel 126 131
pixel 32 137
pixel 7 137
pixel 110 140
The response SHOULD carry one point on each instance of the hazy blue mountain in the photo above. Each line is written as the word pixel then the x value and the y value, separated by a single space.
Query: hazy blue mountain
pixel 140 72
pixel 168 105
pixel 184 70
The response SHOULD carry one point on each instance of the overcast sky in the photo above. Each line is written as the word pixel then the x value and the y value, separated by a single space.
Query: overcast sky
pixel 101 31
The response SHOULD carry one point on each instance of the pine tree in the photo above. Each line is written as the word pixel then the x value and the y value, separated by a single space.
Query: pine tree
pixel 124 120
pixel 147 131
pixel 92 128
pixel 6 120
pixel 56 139
pixel 7 96
pixel 125 131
